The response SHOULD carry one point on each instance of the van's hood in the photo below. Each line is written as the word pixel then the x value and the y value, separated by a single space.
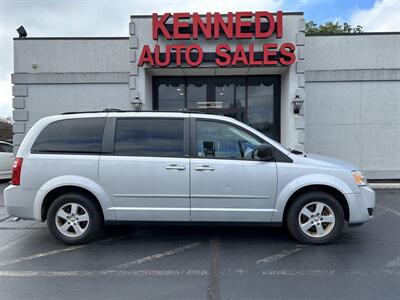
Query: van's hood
pixel 324 161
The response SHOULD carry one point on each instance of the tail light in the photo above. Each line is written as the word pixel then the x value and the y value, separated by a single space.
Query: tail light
pixel 16 171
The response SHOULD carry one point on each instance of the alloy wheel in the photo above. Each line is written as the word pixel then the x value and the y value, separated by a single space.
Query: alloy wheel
pixel 72 220
pixel 316 219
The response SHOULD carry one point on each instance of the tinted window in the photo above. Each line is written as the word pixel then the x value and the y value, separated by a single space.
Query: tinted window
pixel 219 140
pixel 149 137
pixel 6 148
pixel 71 136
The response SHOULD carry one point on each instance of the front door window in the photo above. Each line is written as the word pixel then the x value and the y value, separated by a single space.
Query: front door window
pixel 223 141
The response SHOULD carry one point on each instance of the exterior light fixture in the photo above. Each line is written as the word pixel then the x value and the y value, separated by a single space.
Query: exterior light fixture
pixel 22 32
pixel 297 104
pixel 137 104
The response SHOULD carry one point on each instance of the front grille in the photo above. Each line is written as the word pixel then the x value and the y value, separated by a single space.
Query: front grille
pixel 370 211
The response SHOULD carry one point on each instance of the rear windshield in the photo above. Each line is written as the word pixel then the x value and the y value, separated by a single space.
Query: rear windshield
pixel 71 136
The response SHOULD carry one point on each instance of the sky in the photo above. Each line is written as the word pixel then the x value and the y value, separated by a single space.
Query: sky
pixel 47 18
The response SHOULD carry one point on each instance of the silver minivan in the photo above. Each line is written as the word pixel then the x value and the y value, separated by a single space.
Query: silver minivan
pixel 78 171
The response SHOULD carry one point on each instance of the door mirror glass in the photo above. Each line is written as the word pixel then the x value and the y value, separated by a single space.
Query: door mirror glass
pixel 265 151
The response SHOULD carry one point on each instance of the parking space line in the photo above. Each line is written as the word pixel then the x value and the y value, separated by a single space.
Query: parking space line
pixel 318 272
pixel 102 273
pixel 39 255
pixel 53 252
pixel 14 241
pixel 158 256
pixel 280 255
pixel 194 272
pixel 395 263
pixel 298 272
pixel 388 209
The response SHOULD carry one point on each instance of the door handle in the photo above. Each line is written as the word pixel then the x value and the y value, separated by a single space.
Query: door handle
pixel 175 167
pixel 204 168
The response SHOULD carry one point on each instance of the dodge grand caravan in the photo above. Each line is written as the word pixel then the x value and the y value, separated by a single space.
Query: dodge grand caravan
pixel 78 171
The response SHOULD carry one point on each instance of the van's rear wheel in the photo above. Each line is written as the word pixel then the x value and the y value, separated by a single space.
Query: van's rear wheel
pixel 315 218
pixel 73 219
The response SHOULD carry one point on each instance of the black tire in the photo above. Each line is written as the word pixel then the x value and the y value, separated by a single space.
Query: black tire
pixel 92 227
pixel 293 215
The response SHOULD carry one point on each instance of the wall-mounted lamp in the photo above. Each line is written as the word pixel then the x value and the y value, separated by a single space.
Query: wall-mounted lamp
pixel 137 104
pixel 22 32
pixel 297 104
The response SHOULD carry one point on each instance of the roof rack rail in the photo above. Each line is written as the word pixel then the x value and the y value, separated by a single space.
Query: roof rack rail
pixel 106 110
pixel 93 111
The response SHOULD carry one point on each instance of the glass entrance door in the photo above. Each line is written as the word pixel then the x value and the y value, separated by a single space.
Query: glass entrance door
pixel 254 100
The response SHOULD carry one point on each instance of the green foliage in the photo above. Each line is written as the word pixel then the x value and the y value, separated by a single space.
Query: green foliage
pixel 330 27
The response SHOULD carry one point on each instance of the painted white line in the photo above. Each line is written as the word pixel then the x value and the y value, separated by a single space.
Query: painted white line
pixel 234 272
pixel 158 256
pixel 280 255
pixel 140 273
pixel 395 263
pixel 53 252
pixel 298 272
pixel 385 208
pixel 14 241
pixel 39 255
pixel 165 273
pixel 317 272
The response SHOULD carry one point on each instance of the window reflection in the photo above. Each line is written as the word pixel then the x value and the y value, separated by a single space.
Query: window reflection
pixel 171 94
pixel 197 93
pixel 260 110
pixel 250 99
pixel 219 140
pixel 230 93
pixel 149 137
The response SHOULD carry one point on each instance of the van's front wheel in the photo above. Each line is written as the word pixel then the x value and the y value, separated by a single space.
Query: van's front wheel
pixel 73 219
pixel 315 218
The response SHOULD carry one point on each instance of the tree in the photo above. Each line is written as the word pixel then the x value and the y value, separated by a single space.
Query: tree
pixel 330 27
pixel 6 133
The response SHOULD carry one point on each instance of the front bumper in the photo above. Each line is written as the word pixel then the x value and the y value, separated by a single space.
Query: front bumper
pixel 19 202
pixel 361 205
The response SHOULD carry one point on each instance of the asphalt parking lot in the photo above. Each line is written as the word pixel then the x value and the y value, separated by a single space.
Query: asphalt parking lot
pixel 203 262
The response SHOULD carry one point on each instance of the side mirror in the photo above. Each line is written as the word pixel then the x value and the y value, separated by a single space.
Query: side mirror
pixel 265 151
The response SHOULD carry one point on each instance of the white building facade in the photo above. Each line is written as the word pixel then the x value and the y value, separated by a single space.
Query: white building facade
pixel 349 84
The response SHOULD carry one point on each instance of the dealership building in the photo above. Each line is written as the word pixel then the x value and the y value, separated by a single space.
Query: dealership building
pixel 337 95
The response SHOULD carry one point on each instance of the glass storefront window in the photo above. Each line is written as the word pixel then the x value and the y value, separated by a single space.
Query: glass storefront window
pixel 254 100
pixel 171 93
pixel 230 93
pixel 196 93
pixel 260 110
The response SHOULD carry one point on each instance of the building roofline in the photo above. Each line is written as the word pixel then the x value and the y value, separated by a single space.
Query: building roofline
pixel 72 38
pixel 353 34
pixel 127 38
pixel 289 13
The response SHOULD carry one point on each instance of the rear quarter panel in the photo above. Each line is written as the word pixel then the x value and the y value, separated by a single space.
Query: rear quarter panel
pixel 43 172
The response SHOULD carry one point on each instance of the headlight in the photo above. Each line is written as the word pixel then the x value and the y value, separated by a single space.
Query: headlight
pixel 359 178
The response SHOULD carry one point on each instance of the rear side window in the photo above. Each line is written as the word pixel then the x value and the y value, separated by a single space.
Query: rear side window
pixel 6 148
pixel 71 136
pixel 149 137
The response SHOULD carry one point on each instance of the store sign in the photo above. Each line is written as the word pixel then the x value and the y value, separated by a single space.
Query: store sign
pixel 239 25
